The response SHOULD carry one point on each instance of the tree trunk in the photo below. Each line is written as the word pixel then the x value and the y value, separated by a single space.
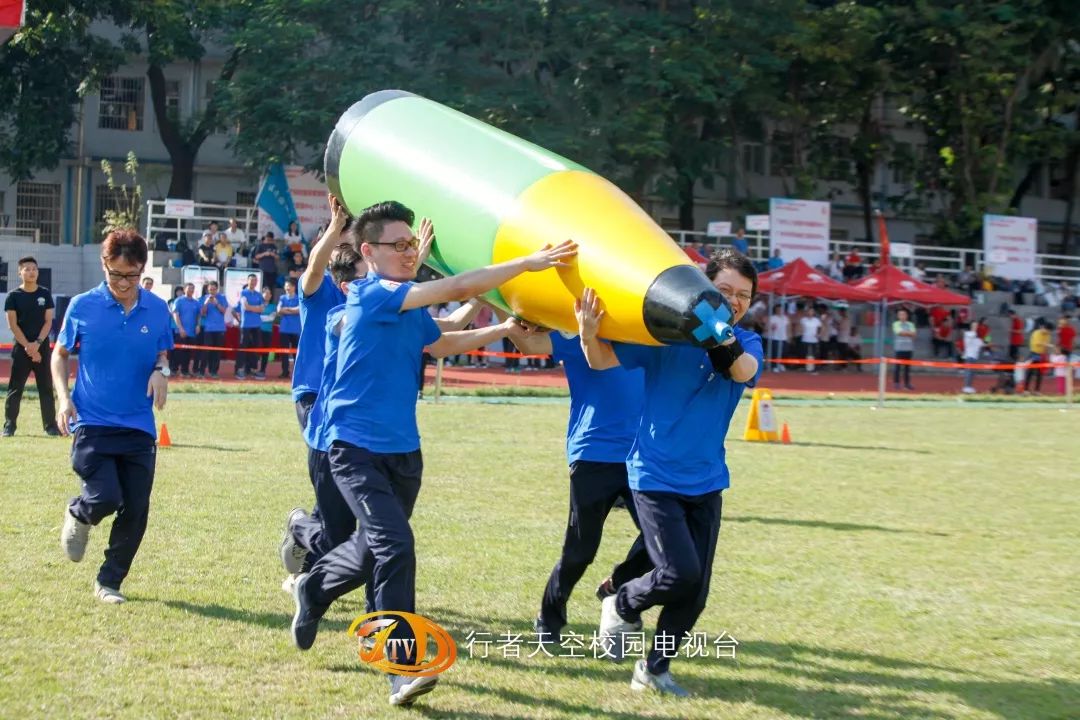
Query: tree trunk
pixel 1072 164
pixel 1025 184
pixel 183 174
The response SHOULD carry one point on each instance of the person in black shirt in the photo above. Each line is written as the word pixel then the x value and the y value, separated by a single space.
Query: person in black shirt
pixel 265 257
pixel 29 310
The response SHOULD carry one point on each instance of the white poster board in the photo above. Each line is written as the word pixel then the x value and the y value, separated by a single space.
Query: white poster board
pixel 1009 245
pixel 800 229
pixel 309 199
pixel 236 280
pixel 179 207
pixel 757 222
pixel 717 228
pixel 199 276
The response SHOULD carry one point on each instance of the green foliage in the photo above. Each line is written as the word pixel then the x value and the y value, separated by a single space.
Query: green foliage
pixel 657 95
pixel 129 203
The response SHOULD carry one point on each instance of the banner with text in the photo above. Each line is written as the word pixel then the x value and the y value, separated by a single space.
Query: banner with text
pixel 800 229
pixel 1009 246
pixel 305 203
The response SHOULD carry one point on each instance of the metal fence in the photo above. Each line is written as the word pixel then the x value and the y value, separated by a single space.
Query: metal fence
pixel 191 228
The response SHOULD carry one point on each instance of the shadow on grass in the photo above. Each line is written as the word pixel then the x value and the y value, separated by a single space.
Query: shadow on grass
pixel 219 448
pixel 837 446
pixel 275 621
pixel 808 681
pixel 841 526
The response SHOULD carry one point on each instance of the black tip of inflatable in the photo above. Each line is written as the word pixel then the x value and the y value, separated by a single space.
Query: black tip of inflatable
pixel 682 306
pixel 344 126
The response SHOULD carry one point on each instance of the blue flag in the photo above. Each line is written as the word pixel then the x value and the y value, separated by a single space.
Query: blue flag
pixel 275 199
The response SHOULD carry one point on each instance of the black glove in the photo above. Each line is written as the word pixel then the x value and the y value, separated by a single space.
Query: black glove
pixel 723 356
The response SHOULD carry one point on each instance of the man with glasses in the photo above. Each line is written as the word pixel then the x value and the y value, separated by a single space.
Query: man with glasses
pixel 677 468
pixel 122 333
pixel 370 418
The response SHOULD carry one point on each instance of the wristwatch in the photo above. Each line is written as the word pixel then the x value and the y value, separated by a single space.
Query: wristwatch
pixel 165 372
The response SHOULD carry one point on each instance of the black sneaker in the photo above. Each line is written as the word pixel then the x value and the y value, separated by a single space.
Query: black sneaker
pixel 404 690
pixel 545 634
pixel 305 623
pixel 9 431
pixel 52 431
pixel 605 589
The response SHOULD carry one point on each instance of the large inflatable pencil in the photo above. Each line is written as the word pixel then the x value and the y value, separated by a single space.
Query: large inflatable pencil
pixel 494 197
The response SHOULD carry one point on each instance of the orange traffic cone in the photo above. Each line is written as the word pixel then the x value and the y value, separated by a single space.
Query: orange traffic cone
pixel 785 435
pixel 163 437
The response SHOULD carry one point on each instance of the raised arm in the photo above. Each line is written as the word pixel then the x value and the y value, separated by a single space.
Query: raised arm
pixel 477 282
pixel 320 253
pixel 460 318
pixel 598 353
pixel 462 341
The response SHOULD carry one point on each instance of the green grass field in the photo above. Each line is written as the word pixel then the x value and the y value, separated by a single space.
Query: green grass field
pixel 909 562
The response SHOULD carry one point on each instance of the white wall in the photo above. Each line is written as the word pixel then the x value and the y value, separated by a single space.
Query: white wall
pixel 74 269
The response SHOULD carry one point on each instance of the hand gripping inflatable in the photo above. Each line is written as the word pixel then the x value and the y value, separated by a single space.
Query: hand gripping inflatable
pixel 493 197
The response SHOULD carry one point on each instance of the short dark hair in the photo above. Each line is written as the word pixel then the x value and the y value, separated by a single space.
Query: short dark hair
pixel 369 224
pixel 252 275
pixel 343 261
pixel 26 260
pixel 727 257
pixel 127 245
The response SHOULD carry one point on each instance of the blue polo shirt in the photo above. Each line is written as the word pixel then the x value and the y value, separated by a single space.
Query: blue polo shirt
pixel 314 308
pixel 117 352
pixel 372 403
pixel 249 319
pixel 679 446
pixel 188 310
pixel 315 432
pixel 214 319
pixel 605 405
pixel 288 324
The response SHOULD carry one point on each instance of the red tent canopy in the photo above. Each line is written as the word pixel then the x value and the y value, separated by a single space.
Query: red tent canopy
pixel 12 13
pixel 892 284
pixel 798 279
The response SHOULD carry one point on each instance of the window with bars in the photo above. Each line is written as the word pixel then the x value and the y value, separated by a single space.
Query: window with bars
pixel 172 100
pixel 245 198
pixel 104 199
pixel 782 155
pixel 37 207
pixel 122 101
pixel 753 158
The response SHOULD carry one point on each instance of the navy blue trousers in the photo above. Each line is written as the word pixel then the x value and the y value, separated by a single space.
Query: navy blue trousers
pixel 594 487
pixel 680 535
pixel 381 491
pixel 116 466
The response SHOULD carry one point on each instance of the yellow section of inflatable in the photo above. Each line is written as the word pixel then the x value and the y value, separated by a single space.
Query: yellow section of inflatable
pixel 620 252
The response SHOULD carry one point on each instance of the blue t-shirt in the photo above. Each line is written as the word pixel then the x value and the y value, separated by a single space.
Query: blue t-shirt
pixel 315 432
pixel 188 310
pixel 741 244
pixel 679 446
pixel 249 319
pixel 267 317
pixel 117 352
pixel 372 403
pixel 307 371
pixel 214 319
pixel 289 324
pixel 605 405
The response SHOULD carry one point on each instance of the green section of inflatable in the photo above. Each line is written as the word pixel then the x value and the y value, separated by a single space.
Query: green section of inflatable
pixel 463 174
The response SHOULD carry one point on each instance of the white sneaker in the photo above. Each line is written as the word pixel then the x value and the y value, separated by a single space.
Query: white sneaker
pixel 292 555
pixel 663 683
pixel 968 390
pixel 288 582
pixel 108 595
pixel 613 627
pixel 74 536
pixel 405 690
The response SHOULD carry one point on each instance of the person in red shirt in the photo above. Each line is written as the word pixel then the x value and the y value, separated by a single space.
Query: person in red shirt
pixel 982 331
pixel 853 265
pixel 937 314
pixel 1066 335
pixel 1016 335
pixel 943 331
